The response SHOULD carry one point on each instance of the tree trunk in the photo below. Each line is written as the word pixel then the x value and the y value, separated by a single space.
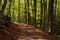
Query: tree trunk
pixel 35 12
pixel 13 15
pixel 29 17
pixel 19 11
pixel 51 17
pixel 25 11
pixel 3 7
pixel 0 2
pixel 41 15
pixel 45 13
pixel 8 13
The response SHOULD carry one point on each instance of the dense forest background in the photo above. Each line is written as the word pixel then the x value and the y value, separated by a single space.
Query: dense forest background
pixel 42 14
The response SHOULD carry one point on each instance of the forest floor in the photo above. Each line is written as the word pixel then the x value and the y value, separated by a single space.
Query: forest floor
pixel 28 32
pixel 21 31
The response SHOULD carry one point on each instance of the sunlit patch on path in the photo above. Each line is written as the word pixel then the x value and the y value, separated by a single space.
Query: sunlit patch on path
pixel 32 39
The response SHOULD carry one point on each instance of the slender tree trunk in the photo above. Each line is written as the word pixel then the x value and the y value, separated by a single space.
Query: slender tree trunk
pixel 0 2
pixel 45 12
pixel 13 15
pixel 35 12
pixel 3 7
pixel 25 11
pixel 29 17
pixel 55 7
pixel 32 12
pixel 8 13
pixel 51 17
pixel 19 11
pixel 41 2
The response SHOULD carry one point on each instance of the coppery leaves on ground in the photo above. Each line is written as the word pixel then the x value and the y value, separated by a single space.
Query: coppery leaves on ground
pixel 21 31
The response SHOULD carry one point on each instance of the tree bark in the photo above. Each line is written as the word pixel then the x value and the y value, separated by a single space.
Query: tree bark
pixel 8 13
pixel 3 7
pixel 41 2
pixel 19 11
pixel 51 15
pixel 35 12
pixel 25 11
pixel 29 17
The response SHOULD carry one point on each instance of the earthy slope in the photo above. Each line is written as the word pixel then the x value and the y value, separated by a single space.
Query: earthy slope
pixel 21 31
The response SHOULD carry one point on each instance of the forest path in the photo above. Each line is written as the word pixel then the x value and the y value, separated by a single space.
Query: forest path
pixel 28 32
pixel 21 31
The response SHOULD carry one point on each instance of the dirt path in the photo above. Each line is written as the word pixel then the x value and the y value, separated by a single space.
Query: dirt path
pixel 30 33
pixel 21 31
